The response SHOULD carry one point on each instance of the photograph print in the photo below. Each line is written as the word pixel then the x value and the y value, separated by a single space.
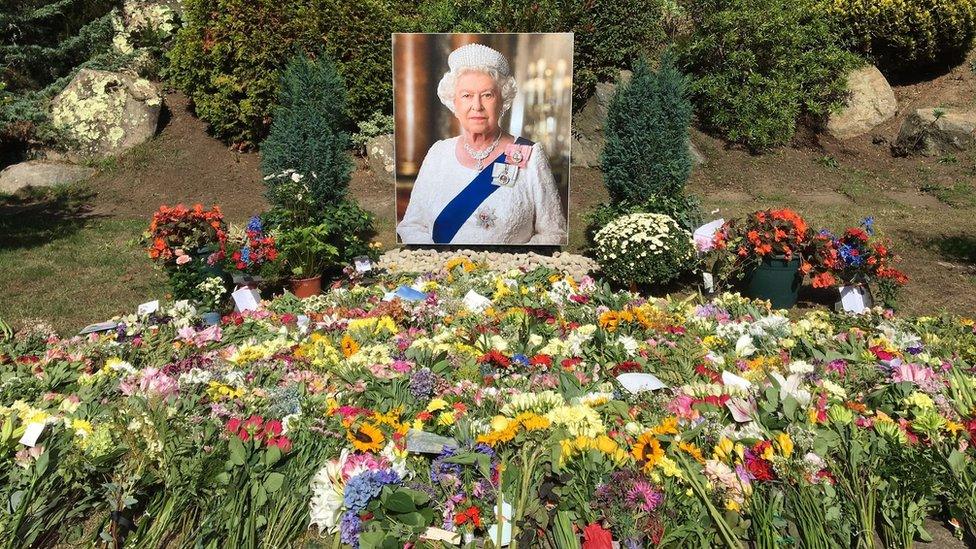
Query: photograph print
pixel 482 138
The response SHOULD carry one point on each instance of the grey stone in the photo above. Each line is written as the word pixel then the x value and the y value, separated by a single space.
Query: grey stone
pixel 934 132
pixel 379 154
pixel 870 102
pixel 697 158
pixel 107 113
pixel 36 173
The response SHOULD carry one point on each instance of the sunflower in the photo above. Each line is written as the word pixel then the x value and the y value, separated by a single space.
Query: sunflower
pixel 366 438
pixel 647 451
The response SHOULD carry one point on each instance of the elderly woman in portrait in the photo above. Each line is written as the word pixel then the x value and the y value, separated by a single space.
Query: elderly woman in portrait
pixel 483 186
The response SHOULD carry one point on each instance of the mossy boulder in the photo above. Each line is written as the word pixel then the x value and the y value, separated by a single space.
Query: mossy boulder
pixel 106 113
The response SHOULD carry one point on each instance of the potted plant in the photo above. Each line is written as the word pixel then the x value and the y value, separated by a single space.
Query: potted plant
pixel 852 262
pixel 251 254
pixel 188 244
pixel 307 251
pixel 212 293
pixel 764 251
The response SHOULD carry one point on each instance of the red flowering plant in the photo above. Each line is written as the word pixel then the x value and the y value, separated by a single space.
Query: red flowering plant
pixel 177 232
pixel 251 250
pixel 189 244
pixel 767 234
pixel 857 256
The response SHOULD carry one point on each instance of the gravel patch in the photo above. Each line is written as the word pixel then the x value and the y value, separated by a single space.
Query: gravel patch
pixel 404 259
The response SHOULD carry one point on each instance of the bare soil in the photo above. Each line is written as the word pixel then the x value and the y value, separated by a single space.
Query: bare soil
pixel 926 205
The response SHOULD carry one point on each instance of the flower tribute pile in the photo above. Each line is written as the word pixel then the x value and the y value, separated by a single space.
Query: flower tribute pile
pixel 571 414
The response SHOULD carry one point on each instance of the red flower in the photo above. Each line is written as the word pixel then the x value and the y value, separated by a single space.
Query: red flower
pixel 283 444
pixel 595 536
pixel 234 425
pixel 272 428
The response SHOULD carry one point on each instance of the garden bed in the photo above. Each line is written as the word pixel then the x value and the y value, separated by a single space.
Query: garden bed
pixel 382 420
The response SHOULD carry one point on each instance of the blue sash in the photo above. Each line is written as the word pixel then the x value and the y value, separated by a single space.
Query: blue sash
pixel 460 208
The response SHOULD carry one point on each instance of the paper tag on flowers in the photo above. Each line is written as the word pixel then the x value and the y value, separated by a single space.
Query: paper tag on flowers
pixel 148 308
pixel 32 433
pixel 476 302
pixel 437 534
pixel 636 382
pixel 246 299
pixel 705 235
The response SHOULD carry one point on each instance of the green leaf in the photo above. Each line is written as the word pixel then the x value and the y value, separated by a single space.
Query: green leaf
pixel 957 461
pixel 419 498
pixel 411 519
pixel 273 482
pixel 789 407
pixel 237 453
pixel 272 456
pixel 399 502
pixel 223 478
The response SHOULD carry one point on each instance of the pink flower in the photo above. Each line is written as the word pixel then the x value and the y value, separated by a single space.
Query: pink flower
pixel 912 372
pixel 182 260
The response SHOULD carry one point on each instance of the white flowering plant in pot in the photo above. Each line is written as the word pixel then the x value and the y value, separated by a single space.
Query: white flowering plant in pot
pixel 644 248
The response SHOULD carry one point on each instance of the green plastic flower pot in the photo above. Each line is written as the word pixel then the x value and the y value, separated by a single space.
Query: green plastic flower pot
pixel 776 280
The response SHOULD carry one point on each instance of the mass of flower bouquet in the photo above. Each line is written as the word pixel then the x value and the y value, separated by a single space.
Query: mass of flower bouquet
pixel 554 413
pixel 857 256
pixel 776 233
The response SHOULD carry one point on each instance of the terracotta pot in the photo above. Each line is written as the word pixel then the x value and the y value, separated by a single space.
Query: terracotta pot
pixel 306 287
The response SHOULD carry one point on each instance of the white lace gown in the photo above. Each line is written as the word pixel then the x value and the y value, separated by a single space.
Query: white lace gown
pixel 528 212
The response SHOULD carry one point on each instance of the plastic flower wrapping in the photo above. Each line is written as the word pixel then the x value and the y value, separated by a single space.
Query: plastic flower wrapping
pixel 551 413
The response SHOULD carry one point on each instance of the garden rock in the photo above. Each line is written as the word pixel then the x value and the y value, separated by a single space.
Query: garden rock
pixel 934 132
pixel 379 153
pixel 137 18
pixel 107 113
pixel 871 101
pixel 36 173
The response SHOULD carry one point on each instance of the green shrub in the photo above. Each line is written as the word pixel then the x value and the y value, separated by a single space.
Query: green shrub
pixel 684 209
pixel 307 134
pixel 643 248
pixel 757 66
pixel 609 35
pixel 229 56
pixel 902 36
pixel 646 152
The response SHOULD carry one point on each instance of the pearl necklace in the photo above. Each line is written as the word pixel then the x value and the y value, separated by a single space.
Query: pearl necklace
pixel 481 155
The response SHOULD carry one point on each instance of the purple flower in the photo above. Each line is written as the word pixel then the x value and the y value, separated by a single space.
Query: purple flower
pixel 349 528
pixel 365 486
pixel 422 383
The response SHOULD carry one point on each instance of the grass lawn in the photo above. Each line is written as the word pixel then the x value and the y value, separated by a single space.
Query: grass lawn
pixel 64 266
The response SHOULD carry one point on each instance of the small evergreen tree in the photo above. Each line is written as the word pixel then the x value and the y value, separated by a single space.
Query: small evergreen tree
pixel 306 132
pixel 646 153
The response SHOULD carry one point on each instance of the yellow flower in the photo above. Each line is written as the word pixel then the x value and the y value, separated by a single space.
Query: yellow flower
pixel 953 427
pixel 647 451
pixel 445 419
pixel 668 426
pixel 723 449
pixel 692 451
pixel 785 444
pixel 366 438
pixel 436 404
pixel 82 427
pixel 532 422
pixel 669 467
pixel 500 423
pixel 919 400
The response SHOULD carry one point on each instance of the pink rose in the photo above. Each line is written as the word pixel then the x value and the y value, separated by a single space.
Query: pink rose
pixel 182 260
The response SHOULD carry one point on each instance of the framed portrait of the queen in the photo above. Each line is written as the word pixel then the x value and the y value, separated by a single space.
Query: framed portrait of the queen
pixel 482 138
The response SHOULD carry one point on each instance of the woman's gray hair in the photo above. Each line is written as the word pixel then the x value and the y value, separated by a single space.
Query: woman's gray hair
pixel 448 84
